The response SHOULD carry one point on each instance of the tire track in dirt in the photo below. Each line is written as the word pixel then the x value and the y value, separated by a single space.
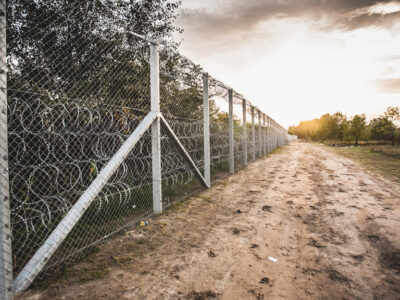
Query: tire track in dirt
pixel 333 228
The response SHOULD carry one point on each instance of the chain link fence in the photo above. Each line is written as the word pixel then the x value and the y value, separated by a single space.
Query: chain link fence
pixel 102 130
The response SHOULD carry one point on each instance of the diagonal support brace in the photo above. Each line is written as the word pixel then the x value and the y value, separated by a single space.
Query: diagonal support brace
pixel 182 149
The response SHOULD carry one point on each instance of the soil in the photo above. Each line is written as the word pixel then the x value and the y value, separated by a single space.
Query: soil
pixel 333 228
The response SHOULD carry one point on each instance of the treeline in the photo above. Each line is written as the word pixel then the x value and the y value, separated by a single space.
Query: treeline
pixel 340 129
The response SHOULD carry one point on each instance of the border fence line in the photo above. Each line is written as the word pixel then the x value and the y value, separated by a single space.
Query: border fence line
pixel 92 154
pixel 6 262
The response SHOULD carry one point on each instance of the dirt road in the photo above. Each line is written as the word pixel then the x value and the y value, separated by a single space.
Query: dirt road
pixel 334 230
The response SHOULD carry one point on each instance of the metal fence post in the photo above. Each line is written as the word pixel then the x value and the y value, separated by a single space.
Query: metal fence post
pixel 6 266
pixel 253 133
pixel 264 137
pixel 231 135
pixel 244 108
pixel 280 136
pixel 155 128
pixel 277 136
pixel 259 133
pixel 206 131
pixel 268 134
pixel 273 135
pixel 273 140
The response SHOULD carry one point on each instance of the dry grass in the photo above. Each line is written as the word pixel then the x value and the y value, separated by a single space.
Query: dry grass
pixel 387 150
pixel 381 159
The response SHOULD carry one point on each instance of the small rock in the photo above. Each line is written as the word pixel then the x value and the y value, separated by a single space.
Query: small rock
pixel 235 231
pixel 264 280
pixel 267 208
pixel 211 253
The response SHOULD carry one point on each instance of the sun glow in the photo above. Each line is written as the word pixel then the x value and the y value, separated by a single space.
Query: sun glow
pixel 308 75
pixel 297 68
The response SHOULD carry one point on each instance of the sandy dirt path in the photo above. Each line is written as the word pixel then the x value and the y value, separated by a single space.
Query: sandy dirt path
pixel 334 229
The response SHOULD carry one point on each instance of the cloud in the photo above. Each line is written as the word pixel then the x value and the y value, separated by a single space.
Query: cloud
pixel 247 29
pixel 389 86
pixel 238 16
pixel 385 20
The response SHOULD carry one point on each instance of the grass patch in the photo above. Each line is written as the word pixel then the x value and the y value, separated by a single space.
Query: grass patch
pixel 276 151
pixel 387 150
pixel 87 274
pixel 382 159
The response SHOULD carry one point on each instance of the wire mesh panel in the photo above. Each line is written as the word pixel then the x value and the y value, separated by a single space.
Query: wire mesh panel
pixel 219 130
pixel 126 198
pixel 219 148
pixel 250 145
pixel 181 100
pixel 238 133
pixel 180 87
pixel 76 91
pixel 257 136
pixel 178 176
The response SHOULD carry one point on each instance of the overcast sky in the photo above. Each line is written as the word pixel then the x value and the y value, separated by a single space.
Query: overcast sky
pixel 299 59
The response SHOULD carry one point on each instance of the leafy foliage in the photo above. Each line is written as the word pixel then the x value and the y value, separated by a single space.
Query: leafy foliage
pixel 339 128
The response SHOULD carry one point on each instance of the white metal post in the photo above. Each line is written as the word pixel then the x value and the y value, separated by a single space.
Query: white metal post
pixel 259 133
pixel 272 135
pixel 155 128
pixel 268 134
pixel 231 135
pixel 206 131
pixel 278 132
pixel 253 133
pixel 264 137
pixel 6 266
pixel 279 135
pixel 244 132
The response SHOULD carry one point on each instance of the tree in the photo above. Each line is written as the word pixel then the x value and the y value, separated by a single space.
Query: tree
pixel 324 127
pixel 223 117
pixel 85 50
pixel 357 127
pixel 339 125
pixel 382 129
pixel 392 114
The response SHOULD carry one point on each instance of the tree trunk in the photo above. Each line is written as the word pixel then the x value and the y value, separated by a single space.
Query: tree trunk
pixel 393 137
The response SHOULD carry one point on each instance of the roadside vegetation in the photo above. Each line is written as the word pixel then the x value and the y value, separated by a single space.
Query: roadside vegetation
pixel 337 129
pixel 374 144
